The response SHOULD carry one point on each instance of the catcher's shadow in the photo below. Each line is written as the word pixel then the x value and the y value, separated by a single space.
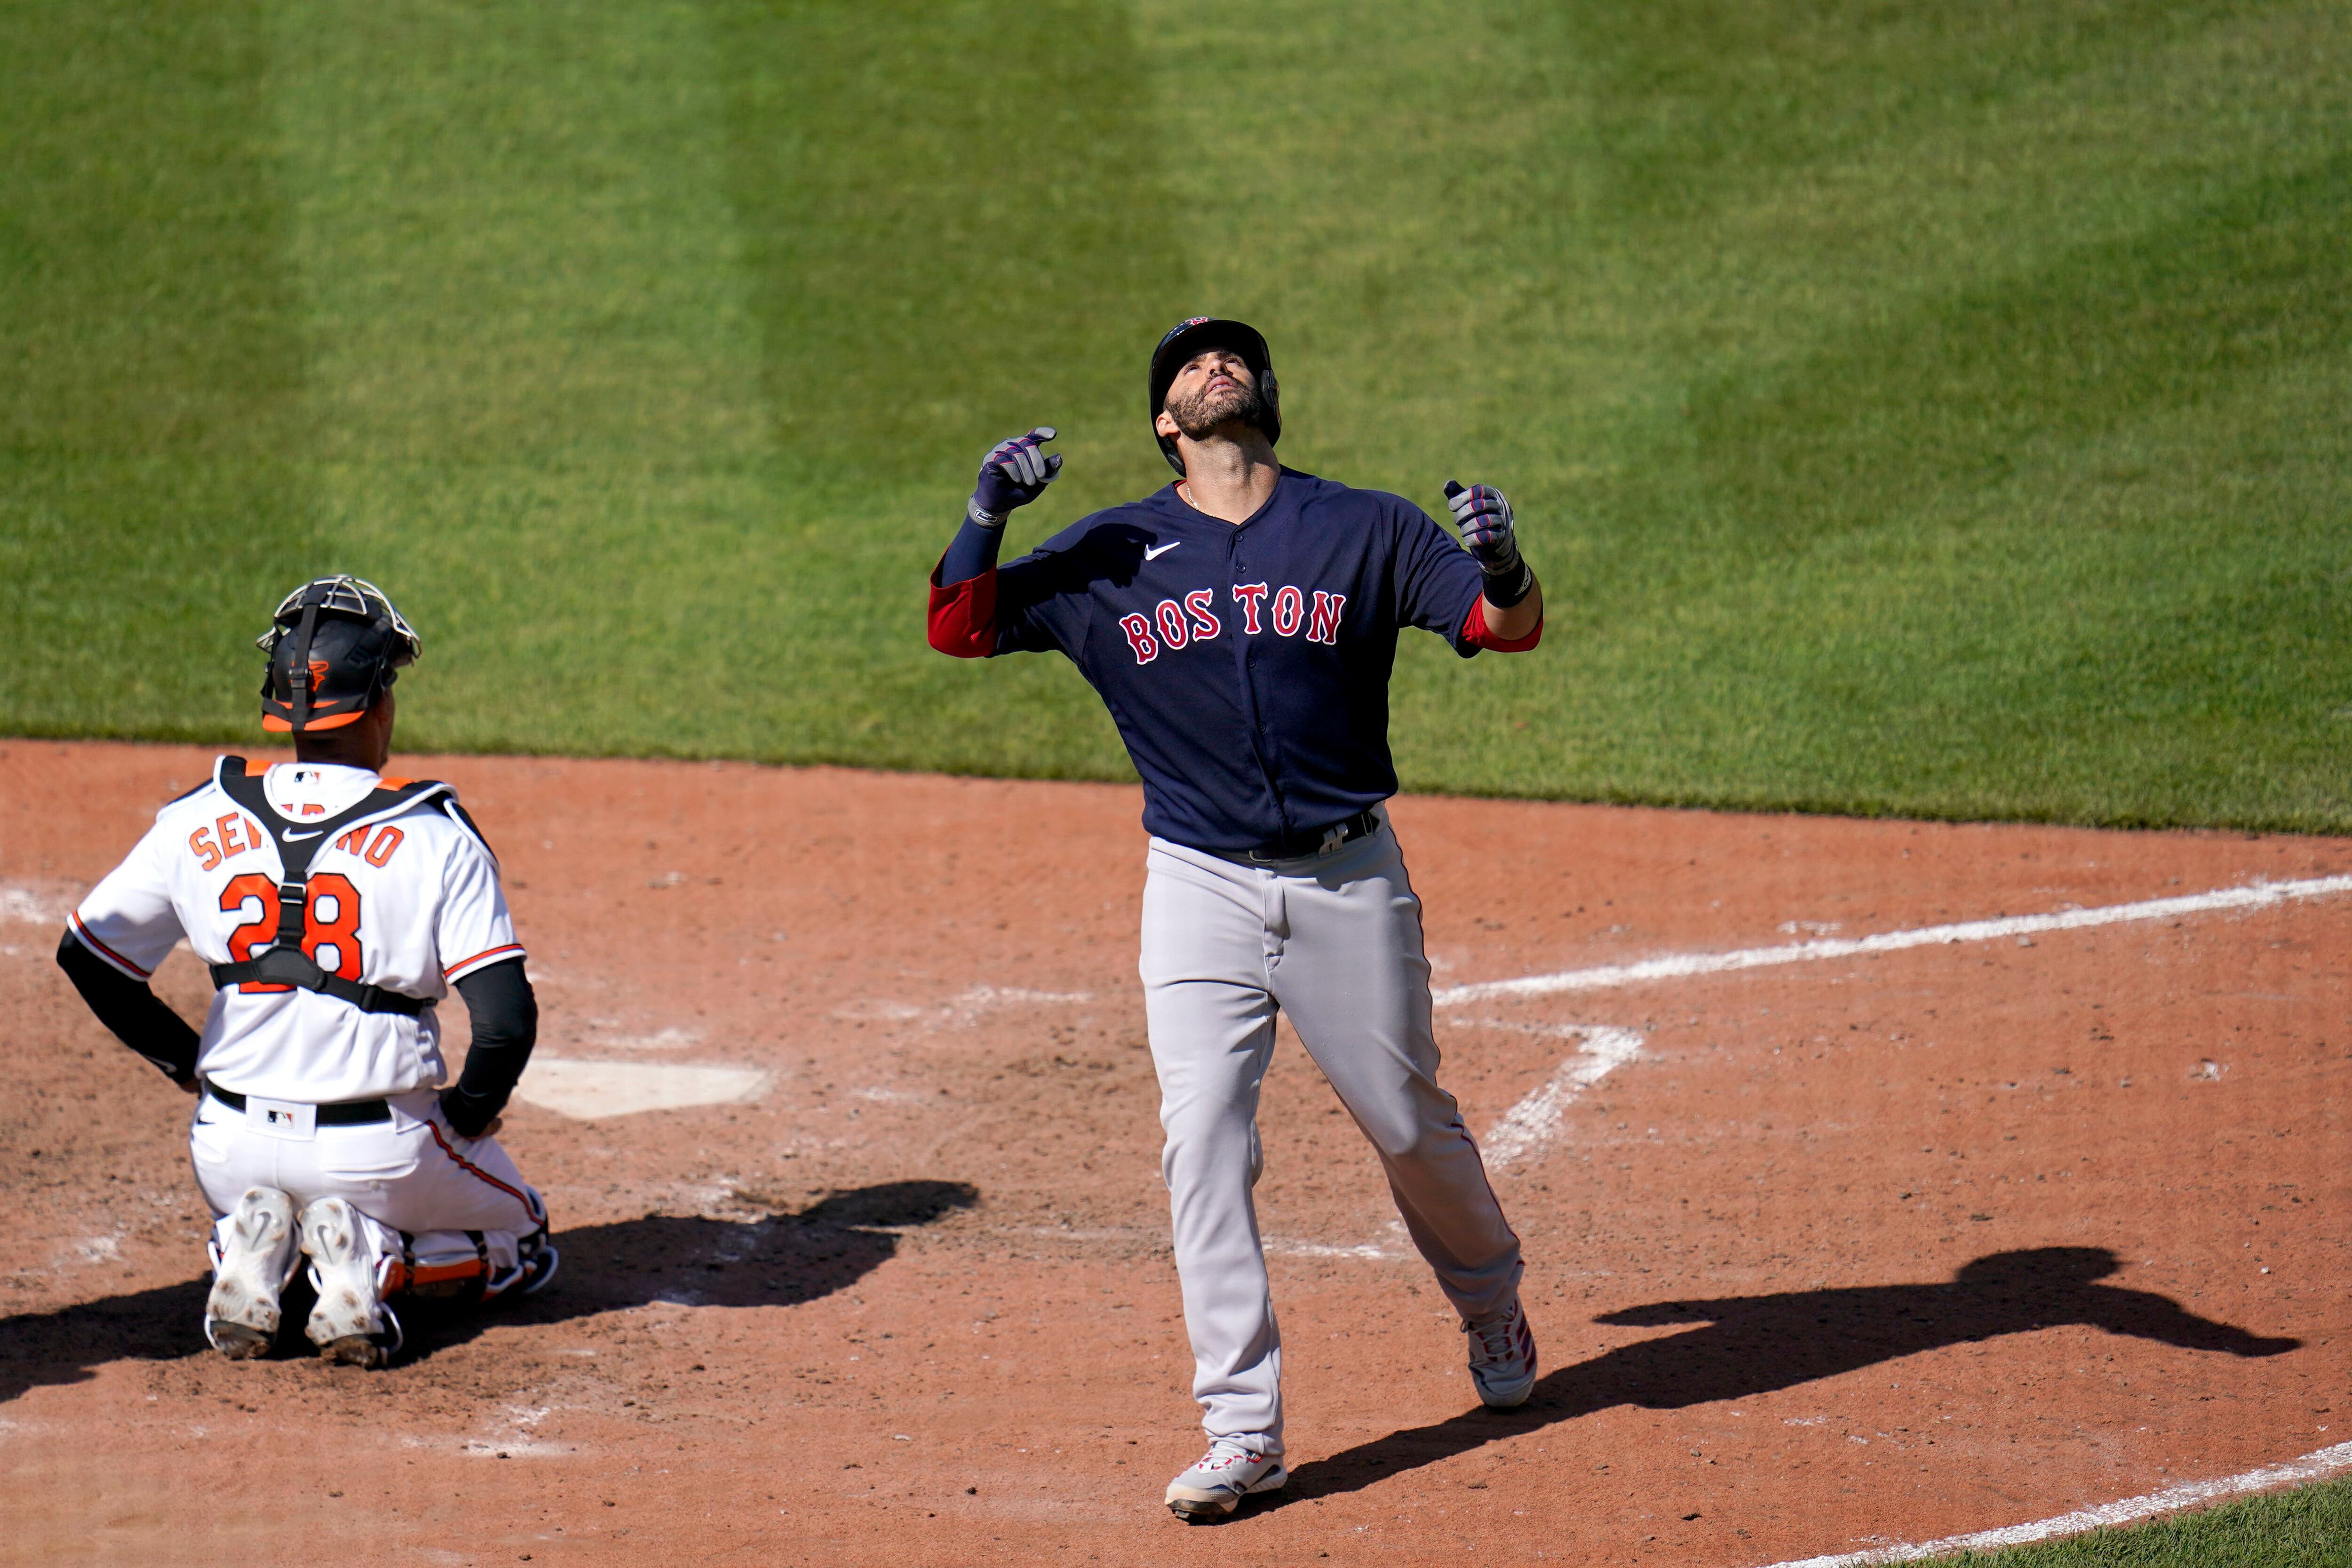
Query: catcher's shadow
pixel 778 1260
pixel 1748 1345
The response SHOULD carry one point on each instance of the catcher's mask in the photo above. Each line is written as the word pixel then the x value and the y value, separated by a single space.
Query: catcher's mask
pixel 333 646
pixel 1192 336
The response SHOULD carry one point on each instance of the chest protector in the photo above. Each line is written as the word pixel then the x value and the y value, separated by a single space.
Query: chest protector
pixel 284 962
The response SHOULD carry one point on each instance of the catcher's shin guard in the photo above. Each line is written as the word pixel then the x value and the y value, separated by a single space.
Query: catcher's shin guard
pixel 248 1272
pixel 541 1269
pixel 467 1268
pixel 538 1263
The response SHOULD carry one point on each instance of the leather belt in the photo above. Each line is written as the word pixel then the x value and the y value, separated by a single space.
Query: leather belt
pixel 346 1113
pixel 1320 841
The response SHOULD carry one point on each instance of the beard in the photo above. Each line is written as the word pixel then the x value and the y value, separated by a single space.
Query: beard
pixel 1202 412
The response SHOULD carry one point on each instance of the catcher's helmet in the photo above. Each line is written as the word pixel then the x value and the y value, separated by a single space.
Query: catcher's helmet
pixel 333 644
pixel 1189 337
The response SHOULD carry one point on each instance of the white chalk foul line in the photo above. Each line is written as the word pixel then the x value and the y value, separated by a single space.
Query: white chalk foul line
pixel 1531 1124
pixel 2130 1510
pixel 1682 965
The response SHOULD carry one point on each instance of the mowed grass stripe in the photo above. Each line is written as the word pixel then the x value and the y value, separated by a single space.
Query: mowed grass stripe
pixel 536 377
pixel 150 369
pixel 616 375
pixel 1709 648
pixel 1921 411
pixel 957 228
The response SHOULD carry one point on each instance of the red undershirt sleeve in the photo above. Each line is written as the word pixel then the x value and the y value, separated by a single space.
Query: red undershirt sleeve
pixel 1474 629
pixel 963 615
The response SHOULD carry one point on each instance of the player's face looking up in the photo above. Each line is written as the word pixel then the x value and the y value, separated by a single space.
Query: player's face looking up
pixel 1215 388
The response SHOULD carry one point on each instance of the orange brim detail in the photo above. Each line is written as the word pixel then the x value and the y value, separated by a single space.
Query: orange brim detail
pixel 277 726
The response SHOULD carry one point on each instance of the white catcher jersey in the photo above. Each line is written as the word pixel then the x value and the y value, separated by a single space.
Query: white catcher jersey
pixel 408 901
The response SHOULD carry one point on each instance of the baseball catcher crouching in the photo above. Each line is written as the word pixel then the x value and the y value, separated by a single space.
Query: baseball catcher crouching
pixel 334 906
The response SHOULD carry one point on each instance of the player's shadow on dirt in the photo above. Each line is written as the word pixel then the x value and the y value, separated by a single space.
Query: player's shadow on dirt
pixel 1749 1345
pixel 780 1260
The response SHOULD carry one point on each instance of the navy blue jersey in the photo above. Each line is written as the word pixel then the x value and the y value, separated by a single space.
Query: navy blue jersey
pixel 1247 668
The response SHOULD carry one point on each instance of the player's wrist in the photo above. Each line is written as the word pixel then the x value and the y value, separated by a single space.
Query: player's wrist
pixel 982 518
pixel 466 1112
pixel 1511 584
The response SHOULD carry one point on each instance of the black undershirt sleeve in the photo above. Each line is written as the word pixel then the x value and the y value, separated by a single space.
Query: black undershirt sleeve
pixel 506 1024
pixel 131 1008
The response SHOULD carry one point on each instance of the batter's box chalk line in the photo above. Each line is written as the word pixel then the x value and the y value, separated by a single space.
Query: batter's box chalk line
pixel 1526 1130
pixel 1529 1127
pixel 1685 965
pixel 2317 1467
pixel 1286 1247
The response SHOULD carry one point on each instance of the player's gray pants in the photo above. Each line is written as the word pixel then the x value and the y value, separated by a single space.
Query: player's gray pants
pixel 1335 940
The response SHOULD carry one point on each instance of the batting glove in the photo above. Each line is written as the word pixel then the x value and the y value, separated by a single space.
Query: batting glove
pixel 1485 518
pixel 1014 474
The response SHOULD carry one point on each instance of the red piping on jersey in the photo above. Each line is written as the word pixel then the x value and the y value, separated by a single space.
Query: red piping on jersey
pixel 1475 630
pixel 963 615
pixel 530 1208
pixel 81 932
pixel 487 953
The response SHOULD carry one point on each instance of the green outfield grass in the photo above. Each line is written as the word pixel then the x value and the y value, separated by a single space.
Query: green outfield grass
pixel 2309 1528
pixel 1934 409
pixel 1931 409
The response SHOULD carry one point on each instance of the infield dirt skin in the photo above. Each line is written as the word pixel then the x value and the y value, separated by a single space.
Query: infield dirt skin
pixel 1854 1251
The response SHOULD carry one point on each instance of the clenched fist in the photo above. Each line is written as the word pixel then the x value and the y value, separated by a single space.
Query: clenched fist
pixel 1485 518
pixel 1014 474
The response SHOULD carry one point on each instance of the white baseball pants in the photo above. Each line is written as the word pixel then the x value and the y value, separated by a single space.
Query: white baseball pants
pixel 409 1175
pixel 1335 940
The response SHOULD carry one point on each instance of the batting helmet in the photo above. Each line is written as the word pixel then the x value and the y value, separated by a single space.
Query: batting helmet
pixel 333 646
pixel 1194 335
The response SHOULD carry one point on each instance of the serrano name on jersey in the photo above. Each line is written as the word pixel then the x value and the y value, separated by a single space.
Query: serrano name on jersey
pixel 407 899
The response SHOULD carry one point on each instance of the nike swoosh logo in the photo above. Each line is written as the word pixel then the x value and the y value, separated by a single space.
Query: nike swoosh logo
pixel 1153 552
pixel 298 837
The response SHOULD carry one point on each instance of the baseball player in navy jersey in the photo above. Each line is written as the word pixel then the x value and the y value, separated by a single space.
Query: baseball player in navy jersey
pixel 1241 624
pixel 334 906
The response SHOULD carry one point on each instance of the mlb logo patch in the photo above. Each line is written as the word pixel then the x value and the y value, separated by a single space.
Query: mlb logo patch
pixel 280 1119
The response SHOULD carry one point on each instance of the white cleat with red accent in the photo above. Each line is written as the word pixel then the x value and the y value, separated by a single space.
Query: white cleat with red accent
pixel 1218 1482
pixel 241 1312
pixel 1502 1357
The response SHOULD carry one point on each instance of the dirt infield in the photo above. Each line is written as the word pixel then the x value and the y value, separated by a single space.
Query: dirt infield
pixel 1868 1248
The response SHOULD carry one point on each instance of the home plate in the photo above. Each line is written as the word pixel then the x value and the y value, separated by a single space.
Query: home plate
pixel 586 1090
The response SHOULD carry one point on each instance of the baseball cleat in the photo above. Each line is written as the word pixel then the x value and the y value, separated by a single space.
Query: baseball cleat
pixel 241 1312
pixel 1502 1357
pixel 376 1350
pixel 349 1325
pixel 534 1267
pixel 1218 1482
pixel 539 1268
